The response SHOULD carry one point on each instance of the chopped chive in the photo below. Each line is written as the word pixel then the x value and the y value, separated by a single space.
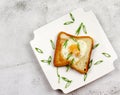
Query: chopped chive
pixel 44 61
pixel 69 55
pixel 98 62
pixel 85 76
pixel 95 46
pixel 66 79
pixel 38 50
pixel 84 29
pixel 79 28
pixel 68 84
pixel 65 43
pixel 68 66
pixel 52 44
pixel 106 54
pixel 49 58
pixel 78 46
pixel 90 64
pixel 47 61
pixel 68 22
pixel 73 19
pixel 58 75
pixel 73 39
pixel 72 62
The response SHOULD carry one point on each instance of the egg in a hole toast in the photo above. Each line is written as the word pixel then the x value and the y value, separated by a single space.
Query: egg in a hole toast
pixel 74 51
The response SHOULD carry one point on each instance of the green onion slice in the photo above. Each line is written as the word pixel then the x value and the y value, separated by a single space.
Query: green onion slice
pixel 47 61
pixel 66 79
pixel 52 44
pixel 106 54
pixel 98 62
pixel 68 22
pixel 68 66
pixel 90 64
pixel 85 76
pixel 72 61
pixel 73 39
pixel 78 46
pixel 44 61
pixel 38 50
pixel 69 55
pixel 68 84
pixel 58 75
pixel 84 29
pixel 96 45
pixel 65 43
pixel 79 28
pixel 71 15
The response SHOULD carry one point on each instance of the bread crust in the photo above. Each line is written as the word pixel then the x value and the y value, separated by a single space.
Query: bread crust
pixel 58 58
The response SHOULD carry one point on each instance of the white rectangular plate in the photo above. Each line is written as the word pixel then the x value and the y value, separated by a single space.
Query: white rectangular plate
pixel 43 35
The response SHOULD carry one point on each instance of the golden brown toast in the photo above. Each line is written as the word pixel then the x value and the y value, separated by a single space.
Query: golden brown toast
pixel 74 51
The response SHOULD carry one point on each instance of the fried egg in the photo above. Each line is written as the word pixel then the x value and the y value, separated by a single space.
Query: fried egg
pixel 73 49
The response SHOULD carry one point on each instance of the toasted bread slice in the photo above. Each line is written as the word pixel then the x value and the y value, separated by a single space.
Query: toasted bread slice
pixel 74 51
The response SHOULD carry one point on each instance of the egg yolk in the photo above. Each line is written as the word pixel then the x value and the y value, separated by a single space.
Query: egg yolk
pixel 74 49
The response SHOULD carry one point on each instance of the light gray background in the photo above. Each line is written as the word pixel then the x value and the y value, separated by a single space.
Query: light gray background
pixel 20 73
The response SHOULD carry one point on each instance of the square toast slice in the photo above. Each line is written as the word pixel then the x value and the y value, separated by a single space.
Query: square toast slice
pixel 74 51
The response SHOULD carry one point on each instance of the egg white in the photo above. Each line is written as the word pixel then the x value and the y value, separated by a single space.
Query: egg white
pixel 82 46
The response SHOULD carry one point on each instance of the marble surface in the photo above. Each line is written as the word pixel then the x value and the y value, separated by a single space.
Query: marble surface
pixel 20 73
